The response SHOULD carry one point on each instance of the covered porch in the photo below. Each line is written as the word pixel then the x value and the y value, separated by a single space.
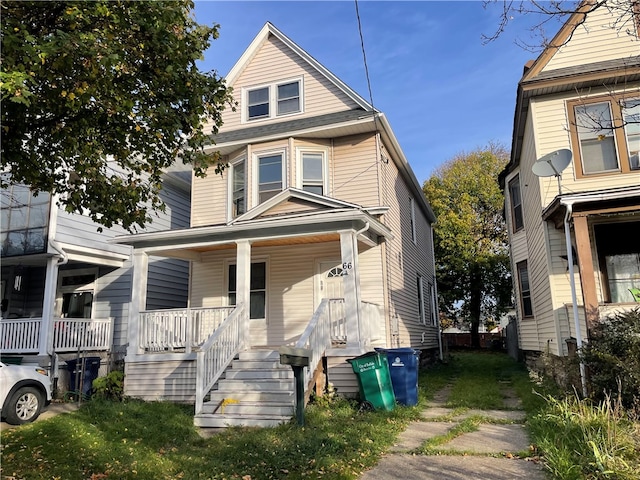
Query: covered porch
pixel 257 284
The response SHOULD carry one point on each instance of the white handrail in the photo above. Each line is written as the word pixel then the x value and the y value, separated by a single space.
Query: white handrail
pixel 179 328
pixel 217 353
pixel 316 338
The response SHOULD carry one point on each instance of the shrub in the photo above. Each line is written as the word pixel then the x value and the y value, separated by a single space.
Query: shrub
pixel 109 387
pixel 612 357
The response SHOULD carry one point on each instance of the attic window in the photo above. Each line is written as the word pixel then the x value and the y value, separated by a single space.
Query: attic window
pixel 273 100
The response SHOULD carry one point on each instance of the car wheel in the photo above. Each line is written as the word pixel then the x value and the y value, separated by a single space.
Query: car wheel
pixel 24 406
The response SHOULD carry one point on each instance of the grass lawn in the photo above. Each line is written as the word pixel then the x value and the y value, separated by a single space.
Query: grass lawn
pixel 138 440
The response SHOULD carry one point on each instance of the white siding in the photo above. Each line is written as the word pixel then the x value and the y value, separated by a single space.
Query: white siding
pixel 355 172
pixel 601 37
pixel 291 279
pixel 405 260
pixel 161 379
pixel 275 62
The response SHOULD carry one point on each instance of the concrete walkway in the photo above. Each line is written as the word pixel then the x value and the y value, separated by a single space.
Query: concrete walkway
pixel 489 453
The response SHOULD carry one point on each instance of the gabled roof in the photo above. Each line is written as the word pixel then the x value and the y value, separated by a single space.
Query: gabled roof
pixel 263 35
pixel 535 82
pixel 294 194
pixel 362 119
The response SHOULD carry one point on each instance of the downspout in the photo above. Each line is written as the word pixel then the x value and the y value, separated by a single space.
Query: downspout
pixel 64 258
pixel 574 300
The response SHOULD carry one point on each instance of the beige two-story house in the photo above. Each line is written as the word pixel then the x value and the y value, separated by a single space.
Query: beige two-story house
pixel 316 236
pixel 572 186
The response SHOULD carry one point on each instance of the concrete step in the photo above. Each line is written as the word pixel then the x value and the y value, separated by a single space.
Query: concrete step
pixel 239 364
pixel 255 385
pixel 277 396
pixel 249 408
pixel 257 374
pixel 259 355
pixel 227 420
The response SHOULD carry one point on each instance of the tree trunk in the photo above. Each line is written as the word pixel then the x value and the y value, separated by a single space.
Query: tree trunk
pixel 475 302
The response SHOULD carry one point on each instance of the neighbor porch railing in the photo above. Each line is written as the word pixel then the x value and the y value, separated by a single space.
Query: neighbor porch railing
pixel 317 339
pixel 22 335
pixel 179 329
pixel 218 351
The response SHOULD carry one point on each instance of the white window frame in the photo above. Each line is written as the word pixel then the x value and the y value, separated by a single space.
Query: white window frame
pixel 255 160
pixel 273 100
pixel 300 151
pixel 412 219
pixel 76 288
pixel 232 165
pixel 421 307
pixel 267 281
pixel 432 301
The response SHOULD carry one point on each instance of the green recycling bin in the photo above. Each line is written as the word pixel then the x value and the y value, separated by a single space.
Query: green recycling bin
pixel 374 380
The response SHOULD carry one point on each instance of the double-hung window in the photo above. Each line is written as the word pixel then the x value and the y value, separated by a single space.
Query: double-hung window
pixel 517 219
pixel 273 100
pixel 238 188
pixel 270 176
pixel 606 135
pixel 525 289
pixel 312 171
pixel 258 289
pixel 25 221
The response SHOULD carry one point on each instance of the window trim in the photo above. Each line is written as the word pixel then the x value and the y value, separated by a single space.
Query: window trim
pixel 227 265
pixel 272 88
pixel 255 197
pixel 412 220
pixel 520 266
pixel 230 200
pixel 619 134
pixel 300 151
pixel 422 314
pixel 432 301
pixel 513 207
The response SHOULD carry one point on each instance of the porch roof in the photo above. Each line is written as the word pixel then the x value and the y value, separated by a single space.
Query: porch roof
pixel 622 200
pixel 304 227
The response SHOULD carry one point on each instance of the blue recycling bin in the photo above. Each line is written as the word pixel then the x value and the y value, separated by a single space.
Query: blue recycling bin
pixel 91 368
pixel 403 368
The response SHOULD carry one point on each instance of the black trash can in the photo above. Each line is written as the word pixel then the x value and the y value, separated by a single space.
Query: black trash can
pixel 91 368
pixel 403 368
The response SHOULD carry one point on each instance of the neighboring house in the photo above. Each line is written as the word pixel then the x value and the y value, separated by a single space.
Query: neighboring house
pixel 66 290
pixel 582 96
pixel 317 235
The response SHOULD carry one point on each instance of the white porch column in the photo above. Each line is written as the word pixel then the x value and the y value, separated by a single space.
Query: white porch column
pixel 140 269
pixel 351 282
pixel 243 285
pixel 45 342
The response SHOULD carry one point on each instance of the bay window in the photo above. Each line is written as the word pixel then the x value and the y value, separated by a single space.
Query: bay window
pixel 270 175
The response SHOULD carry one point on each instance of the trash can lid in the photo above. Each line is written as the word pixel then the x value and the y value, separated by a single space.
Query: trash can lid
pixel 364 355
pixel 399 350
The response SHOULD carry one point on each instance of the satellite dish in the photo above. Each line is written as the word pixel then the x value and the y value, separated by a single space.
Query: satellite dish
pixel 552 165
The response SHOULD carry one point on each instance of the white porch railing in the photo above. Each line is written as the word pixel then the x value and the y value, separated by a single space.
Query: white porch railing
pixel 370 321
pixel 22 335
pixel 316 338
pixel 177 329
pixel 73 334
pixel 337 320
pixel 217 353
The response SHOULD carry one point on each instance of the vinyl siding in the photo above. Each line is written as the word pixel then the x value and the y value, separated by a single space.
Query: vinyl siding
pixel 552 132
pixel 161 379
pixel 600 38
pixel 275 62
pixel 291 280
pixel 354 176
pixel 405 260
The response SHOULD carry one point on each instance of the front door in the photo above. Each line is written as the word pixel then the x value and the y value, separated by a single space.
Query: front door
pixel 330 281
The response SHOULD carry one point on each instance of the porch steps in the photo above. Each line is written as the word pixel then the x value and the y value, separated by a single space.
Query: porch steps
pixel 256 391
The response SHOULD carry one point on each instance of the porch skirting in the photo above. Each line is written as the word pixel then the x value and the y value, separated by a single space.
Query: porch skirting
pixel 161 377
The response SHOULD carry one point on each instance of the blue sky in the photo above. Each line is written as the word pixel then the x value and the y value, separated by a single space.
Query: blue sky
pixel 443 91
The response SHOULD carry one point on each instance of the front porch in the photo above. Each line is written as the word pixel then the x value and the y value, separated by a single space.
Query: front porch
pixel 258 283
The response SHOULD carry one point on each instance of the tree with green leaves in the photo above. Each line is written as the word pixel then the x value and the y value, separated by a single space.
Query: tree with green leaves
pixel 470 236
pixel 99 98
